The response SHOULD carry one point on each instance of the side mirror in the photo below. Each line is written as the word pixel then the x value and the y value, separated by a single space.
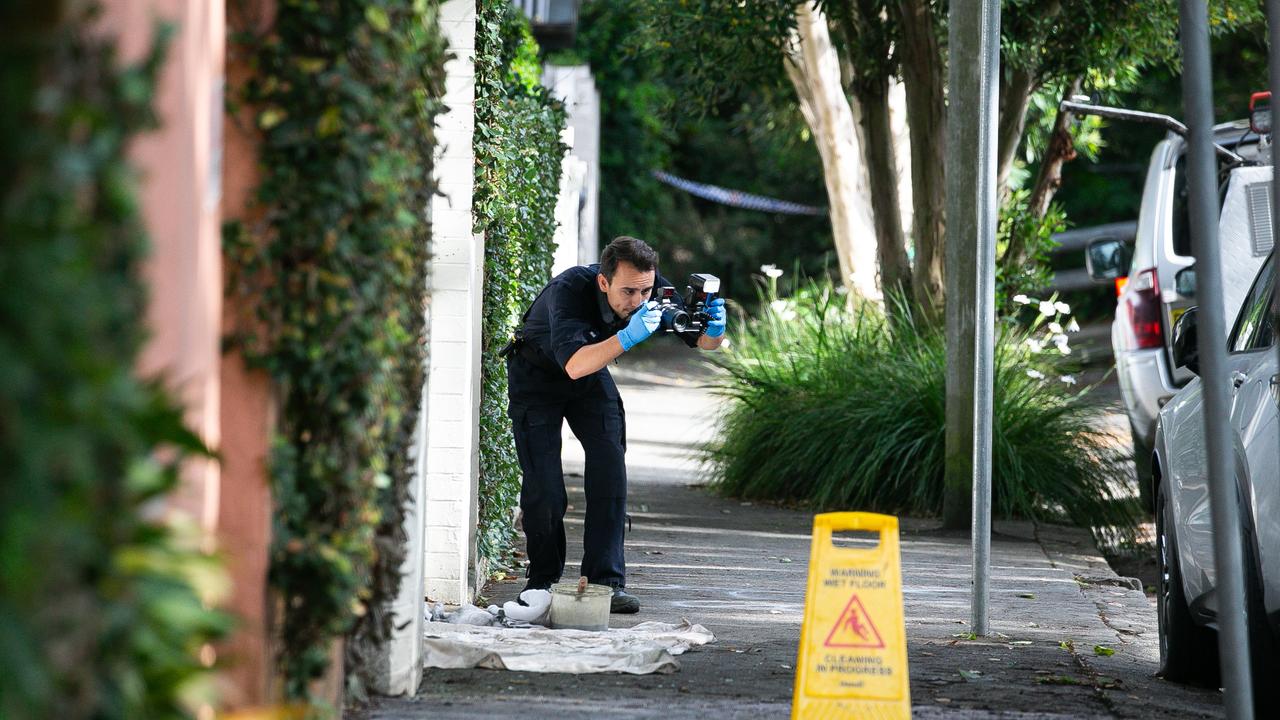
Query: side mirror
pixel 1107 259
pixel 1185 282
pixel 1185 351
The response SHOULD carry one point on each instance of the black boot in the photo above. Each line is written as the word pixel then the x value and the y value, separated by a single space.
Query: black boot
pixel 624 602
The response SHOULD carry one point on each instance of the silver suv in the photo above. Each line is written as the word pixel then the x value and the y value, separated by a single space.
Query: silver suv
pixel 1187 601
pixel 1154 280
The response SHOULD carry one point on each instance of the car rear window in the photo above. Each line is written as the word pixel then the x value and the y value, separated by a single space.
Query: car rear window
pixel 1181 222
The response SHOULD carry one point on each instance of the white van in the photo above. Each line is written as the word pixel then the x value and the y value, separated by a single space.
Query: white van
pixel 1154 279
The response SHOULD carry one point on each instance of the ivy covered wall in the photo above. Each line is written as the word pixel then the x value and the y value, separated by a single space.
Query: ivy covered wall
pixel 518 153
pixel 345 92
pixel 103 609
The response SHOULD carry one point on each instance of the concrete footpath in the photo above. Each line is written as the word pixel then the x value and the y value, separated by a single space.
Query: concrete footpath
pixel 740 570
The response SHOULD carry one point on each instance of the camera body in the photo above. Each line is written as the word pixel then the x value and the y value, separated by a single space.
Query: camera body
pixel 692 319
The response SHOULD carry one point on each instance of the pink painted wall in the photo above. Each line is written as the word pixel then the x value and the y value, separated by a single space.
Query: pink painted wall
pixel 185 194
pixel 180 167
pixel 247 418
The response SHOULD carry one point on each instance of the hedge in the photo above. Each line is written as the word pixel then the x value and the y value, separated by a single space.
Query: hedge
pixel 103 610
pixel 345 92
pixel 517 154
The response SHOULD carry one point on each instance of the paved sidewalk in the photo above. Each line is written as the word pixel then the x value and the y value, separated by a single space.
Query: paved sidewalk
pixel 740 570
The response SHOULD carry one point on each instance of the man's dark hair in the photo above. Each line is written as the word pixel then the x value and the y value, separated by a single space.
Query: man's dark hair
pixel 628 250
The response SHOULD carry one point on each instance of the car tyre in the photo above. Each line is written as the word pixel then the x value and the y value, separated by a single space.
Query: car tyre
pixel 1188 651
pixel 1262 646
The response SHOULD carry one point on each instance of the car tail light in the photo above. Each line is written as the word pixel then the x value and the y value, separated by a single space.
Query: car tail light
pixel 1121 282
pixel 1143 305
pixel 1260 113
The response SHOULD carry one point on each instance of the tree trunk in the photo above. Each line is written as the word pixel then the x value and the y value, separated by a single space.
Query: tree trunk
pixel 882 170
pixel 813 67
pixel 926 116
pixel 1015 96
pixel 1061 149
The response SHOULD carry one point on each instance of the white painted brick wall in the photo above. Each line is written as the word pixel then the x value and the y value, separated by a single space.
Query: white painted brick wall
pixel 440 519
pixel 453 380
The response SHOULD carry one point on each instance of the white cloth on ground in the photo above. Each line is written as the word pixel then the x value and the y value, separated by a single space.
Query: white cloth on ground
pixel 646 648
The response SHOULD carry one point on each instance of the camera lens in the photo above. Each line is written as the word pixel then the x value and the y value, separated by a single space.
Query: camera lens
pixel 675 319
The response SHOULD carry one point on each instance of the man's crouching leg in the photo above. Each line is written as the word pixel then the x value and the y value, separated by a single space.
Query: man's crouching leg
pixel 542 495
pixel 600 426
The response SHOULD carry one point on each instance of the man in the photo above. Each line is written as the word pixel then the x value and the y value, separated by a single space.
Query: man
pixel 557 369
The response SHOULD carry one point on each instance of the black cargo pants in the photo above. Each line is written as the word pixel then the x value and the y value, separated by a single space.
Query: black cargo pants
pixel 539 406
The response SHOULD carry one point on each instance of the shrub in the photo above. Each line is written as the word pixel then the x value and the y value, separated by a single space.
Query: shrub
pixel 836 407
pixel 518 153
pixel 103 610
pixel 333 280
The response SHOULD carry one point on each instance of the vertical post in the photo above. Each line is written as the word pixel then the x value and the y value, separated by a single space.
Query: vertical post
pixel 452 406
pixel 974 41
pixel 1202 184
pixel 1273 69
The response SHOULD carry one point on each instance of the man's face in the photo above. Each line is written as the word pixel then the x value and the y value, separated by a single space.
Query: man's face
pixel 628 290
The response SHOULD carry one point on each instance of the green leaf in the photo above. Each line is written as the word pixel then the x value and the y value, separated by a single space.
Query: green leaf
pixel 271 117
pixel 377 18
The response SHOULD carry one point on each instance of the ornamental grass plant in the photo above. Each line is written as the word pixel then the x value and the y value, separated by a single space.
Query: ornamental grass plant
pixel 835 405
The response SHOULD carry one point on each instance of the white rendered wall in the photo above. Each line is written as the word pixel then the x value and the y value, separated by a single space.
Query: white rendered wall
pixel 573 173
pixel 402 665
pixel 453 381
pixel 575 85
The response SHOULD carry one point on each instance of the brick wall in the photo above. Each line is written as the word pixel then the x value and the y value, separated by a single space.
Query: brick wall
pixel 451 429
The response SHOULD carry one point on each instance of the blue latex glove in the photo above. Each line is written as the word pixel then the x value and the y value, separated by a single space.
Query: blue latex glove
pixel 642 324
pixel 715 309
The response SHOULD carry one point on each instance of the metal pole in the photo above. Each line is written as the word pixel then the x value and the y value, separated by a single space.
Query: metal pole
pixel 1202 184
pixel 974 41
pixel 1273 69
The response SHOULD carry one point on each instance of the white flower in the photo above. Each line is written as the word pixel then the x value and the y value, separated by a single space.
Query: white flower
pixel 1068 379
pixel 782 309
pixel 1022 299
pixel 1062 307
pixel 1059 339
pixel 1073 326
pixel 1064 349
pixel 1035 374
pixel 1055 327
pixel 1034 344
pixel 1047 309
pixel 842 289
pixel 771 271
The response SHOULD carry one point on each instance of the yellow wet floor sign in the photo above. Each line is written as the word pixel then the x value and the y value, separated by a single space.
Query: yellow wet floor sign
pixel 853 646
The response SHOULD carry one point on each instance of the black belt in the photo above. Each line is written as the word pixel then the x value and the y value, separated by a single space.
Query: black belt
pixel 532 355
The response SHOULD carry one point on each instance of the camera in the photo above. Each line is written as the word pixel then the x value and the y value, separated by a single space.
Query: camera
pixel 693 317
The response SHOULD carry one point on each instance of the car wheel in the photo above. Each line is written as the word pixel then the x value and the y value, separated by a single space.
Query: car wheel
pixel 1142 470
pixel 1188 652
pixel 1262 647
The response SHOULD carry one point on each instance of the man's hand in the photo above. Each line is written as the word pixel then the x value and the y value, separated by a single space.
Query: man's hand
pixel 715 309
pixel 642 324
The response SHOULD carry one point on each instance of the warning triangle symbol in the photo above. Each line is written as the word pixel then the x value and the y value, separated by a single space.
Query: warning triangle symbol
pixel 854 628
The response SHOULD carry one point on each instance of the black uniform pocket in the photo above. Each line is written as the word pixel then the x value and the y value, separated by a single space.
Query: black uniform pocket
pixel 537 439
pixel 615 422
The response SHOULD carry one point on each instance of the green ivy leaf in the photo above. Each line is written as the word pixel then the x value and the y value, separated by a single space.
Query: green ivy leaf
pixel 271 117
pixel 377 18
pixel 330 122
